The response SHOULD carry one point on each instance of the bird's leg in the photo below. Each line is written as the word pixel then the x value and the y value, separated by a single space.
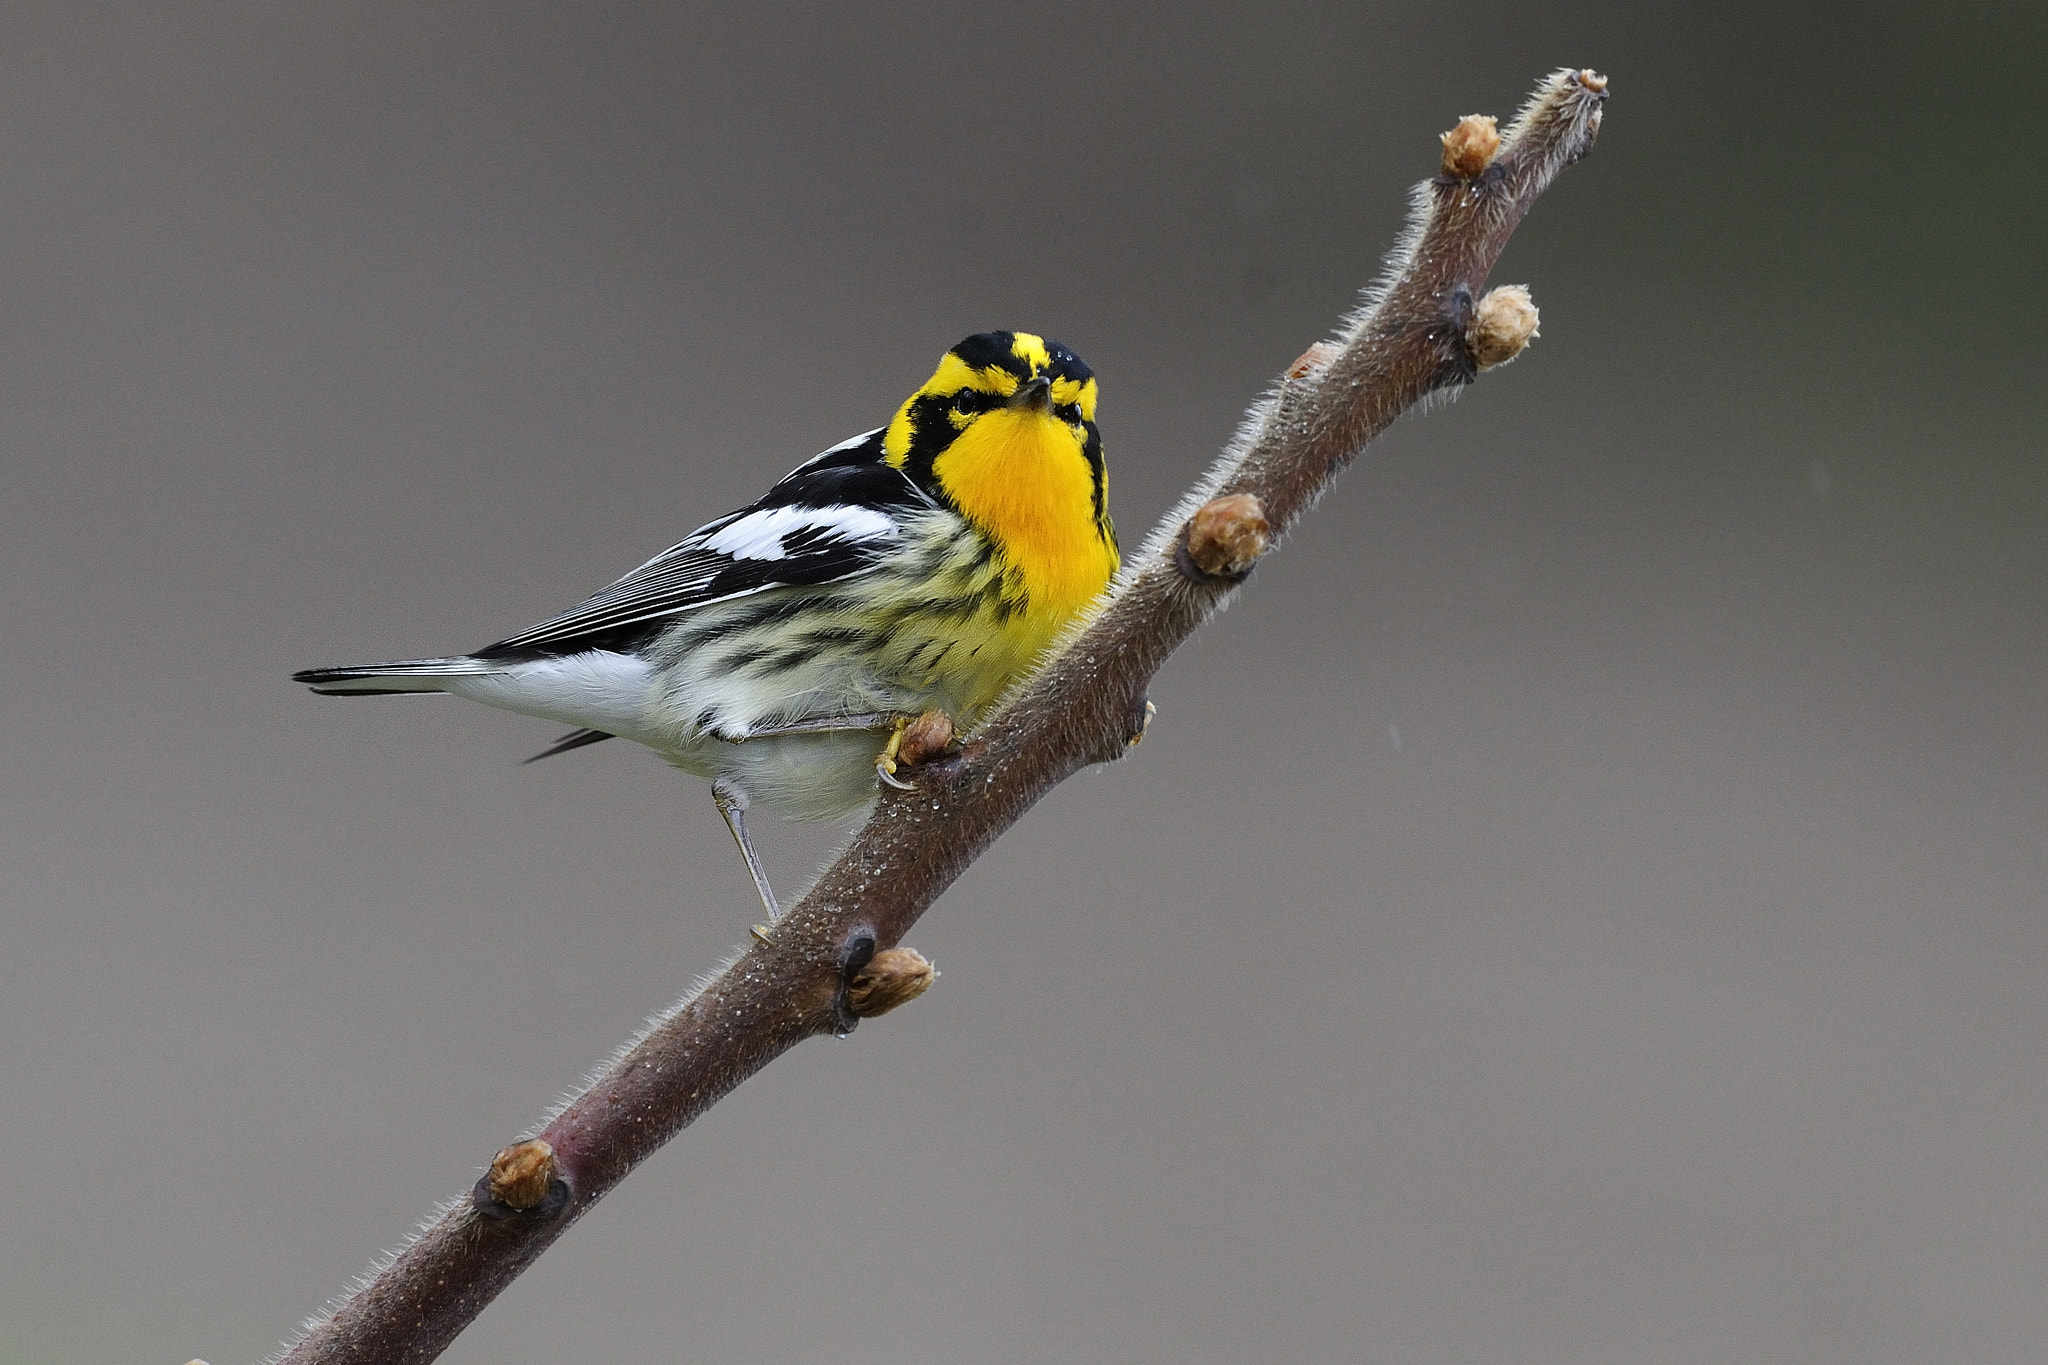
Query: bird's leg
pixel 885 765
pixel 732 804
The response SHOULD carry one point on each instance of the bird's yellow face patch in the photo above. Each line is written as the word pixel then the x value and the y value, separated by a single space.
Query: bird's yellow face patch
pixel 979 376
pixel 1004 431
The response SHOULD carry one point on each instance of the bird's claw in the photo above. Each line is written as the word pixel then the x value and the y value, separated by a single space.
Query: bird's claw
pixel 916 740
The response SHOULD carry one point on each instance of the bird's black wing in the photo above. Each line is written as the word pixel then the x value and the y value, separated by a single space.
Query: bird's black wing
pixel 830 518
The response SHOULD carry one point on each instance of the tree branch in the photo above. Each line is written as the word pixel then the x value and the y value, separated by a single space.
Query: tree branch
pixel 1423 328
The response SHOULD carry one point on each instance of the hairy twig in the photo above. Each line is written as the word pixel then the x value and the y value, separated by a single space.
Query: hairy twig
pixel 1423 328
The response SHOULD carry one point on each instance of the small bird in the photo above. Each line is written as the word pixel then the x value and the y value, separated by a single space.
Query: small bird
pixel 922 566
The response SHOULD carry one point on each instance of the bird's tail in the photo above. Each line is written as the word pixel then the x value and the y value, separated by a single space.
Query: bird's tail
pixel 405 675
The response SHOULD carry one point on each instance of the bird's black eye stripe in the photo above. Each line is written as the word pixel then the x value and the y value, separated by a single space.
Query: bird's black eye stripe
pixel 1069 413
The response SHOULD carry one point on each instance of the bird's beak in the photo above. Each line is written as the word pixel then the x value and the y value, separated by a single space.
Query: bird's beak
pixel 1034 394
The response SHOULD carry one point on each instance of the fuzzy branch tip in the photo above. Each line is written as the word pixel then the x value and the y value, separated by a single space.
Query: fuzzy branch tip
pixel 1470 147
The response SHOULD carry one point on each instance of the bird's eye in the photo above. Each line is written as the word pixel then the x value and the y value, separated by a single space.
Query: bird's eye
pixel 963 402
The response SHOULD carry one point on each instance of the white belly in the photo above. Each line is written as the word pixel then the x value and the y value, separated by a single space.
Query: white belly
pixel 809 777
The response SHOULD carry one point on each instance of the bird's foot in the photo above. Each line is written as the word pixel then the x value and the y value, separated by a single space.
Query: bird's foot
pixel 914 741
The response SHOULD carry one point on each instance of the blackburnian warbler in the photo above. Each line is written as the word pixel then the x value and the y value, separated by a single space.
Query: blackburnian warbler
pixel 925 565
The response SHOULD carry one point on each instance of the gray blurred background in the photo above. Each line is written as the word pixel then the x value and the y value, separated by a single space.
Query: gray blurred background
pixel 1585 903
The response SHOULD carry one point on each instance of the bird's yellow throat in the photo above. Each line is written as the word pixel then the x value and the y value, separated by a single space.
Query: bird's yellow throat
pixel 1021 478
